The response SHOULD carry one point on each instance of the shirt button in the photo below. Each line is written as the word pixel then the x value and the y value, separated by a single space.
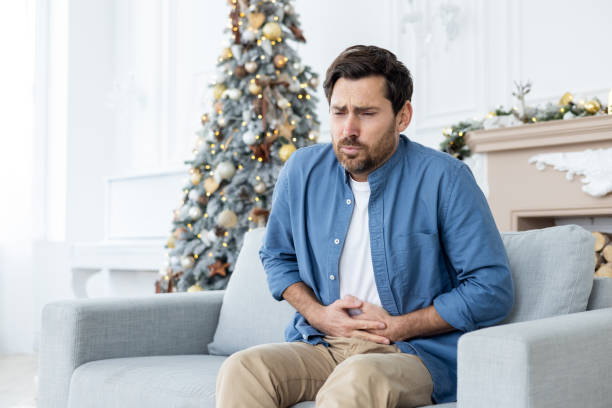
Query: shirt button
pixel 336 241
pixel 332 277
pixel 348 201
pixel 305 336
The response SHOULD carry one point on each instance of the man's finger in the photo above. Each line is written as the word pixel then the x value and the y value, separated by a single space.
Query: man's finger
pixel 370 337
pixel 349 302
pixel 367 325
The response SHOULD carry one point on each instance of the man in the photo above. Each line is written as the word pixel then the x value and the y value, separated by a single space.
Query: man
pixel 386 249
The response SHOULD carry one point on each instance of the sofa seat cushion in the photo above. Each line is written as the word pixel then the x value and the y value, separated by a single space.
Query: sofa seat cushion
pixel 161 381
pixel 311 404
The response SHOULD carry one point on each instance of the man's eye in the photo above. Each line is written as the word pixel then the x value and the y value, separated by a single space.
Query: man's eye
pixel 338 113
pixel 368 113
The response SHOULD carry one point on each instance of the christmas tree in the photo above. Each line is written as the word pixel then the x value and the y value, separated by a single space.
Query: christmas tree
pixel 263 111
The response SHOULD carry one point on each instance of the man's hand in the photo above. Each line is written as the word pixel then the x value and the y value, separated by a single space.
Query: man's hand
pixel 334 320
pixel 393 328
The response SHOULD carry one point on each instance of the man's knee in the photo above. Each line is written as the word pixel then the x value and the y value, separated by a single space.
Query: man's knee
pixel 249 360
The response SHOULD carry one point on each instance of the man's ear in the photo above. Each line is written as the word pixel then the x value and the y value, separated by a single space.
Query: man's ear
pixel 403 118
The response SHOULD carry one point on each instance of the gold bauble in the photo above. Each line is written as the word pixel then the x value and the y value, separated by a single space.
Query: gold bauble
pixel 280 61
pixel 210 185
pixel 226 53
pixel 254 88
pixel 256 20
pixel 218 91
pixel 204 118
pixel 566 99
pixel 227 219
pixel 592 106
pixel 272 31
pixel 286 151
pixel 195 288
pixel 196 178
pixel 171 242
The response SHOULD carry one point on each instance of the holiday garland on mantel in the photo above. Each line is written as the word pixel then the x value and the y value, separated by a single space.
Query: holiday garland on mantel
pixel 566 108
pixel 263 110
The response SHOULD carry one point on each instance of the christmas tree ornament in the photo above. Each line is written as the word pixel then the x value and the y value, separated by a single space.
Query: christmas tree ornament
pixel 280 61
pixel 282 103
pixel 254 88
pixel 174 260
pixel 249 137
pixel 240 71
pixel 171 241
pixel 218 90
pixel 227 219
pixel 232 93
pixel 610 103
pixel 256 20
pixel 314 82
pixel 187 262
pixel 592 106
pixel 195 213
pixel 180 233
pixel 225 170
pixel 196 178
pixel 288 9
pixel 566 99
pixel 266 46
pixel 260 216
pixel 236 51
pixel 286 130
pixel 299 67
pixel 195 288
pixel 272 31
pixel 260 187
pixel 210 185
pixel 226 53
pixel 249 35
pixel 313 135
pixel 286 151
pixel 204 118
pixel 251 66
pixel 294 86
pixel 218 268
pixel 194 195
pixel 221 121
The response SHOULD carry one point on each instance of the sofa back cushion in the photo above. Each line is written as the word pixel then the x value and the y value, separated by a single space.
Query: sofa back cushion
pixel 249 315
pixel 552 270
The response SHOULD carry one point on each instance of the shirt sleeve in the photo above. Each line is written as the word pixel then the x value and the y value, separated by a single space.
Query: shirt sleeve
pixel 277 253
pixel 483 294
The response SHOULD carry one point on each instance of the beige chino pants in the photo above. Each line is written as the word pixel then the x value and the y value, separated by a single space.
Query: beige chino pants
pixel 350 373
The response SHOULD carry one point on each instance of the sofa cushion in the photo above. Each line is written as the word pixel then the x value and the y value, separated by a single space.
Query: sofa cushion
pixel 249 315
pixel 154 382
pixel 552 271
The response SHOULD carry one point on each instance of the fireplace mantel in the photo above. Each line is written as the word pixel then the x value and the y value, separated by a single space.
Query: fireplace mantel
pixel 522 197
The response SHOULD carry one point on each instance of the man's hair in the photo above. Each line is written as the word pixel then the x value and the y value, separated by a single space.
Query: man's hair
pixel 360 61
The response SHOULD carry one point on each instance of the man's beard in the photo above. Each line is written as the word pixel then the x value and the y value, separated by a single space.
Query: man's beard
pixel 368 158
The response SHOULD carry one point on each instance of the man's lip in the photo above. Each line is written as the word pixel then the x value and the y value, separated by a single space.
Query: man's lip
pixel 350 149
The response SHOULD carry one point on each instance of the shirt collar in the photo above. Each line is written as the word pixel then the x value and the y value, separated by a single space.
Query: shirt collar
pixel 380 174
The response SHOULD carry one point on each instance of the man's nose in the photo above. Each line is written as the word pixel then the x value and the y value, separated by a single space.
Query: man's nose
pixel 351 126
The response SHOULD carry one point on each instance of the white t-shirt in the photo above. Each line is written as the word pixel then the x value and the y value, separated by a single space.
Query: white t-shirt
pixel 356 272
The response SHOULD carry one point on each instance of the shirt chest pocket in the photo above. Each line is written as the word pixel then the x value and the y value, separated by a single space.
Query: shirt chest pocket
pixel 415 264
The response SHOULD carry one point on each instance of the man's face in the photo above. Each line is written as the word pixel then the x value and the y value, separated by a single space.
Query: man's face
pixel 365 131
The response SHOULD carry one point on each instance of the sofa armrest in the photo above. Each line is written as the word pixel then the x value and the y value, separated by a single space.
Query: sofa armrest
pixel 75 332
pixel 562 361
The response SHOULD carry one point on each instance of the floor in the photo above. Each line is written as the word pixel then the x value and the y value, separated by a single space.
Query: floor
pixel 18 380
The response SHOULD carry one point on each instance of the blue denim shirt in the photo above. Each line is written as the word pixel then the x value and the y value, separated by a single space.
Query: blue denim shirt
pixel 433 240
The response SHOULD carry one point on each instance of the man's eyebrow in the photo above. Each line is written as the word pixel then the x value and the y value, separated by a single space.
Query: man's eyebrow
pixel 357 108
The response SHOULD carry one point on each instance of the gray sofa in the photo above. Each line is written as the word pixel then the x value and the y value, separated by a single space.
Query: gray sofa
pixel 165 350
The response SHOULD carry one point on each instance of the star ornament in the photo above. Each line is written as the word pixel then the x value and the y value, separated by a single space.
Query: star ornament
pixel 286 130
pixel 218 268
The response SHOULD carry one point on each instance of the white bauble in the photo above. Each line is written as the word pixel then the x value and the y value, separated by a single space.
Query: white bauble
pixel 187 262
pixel 195 213
pixel 194 195
pixel 249 35
pixel 227 219
pixel 174 260
pixel 212 237
pixel 249 137
pixel 251 66
pixel 221 121
pixel 225 170
pixel 288 9
pixel 260 187
pixel 219 77
pixel 294 87
pixel 299 67
pixel 282 103
pixel 233 94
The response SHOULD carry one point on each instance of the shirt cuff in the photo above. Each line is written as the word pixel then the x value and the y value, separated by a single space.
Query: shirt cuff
pixel 454 311
pixel 278 284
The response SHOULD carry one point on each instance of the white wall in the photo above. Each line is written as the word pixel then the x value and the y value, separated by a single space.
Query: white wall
pixel 136 76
